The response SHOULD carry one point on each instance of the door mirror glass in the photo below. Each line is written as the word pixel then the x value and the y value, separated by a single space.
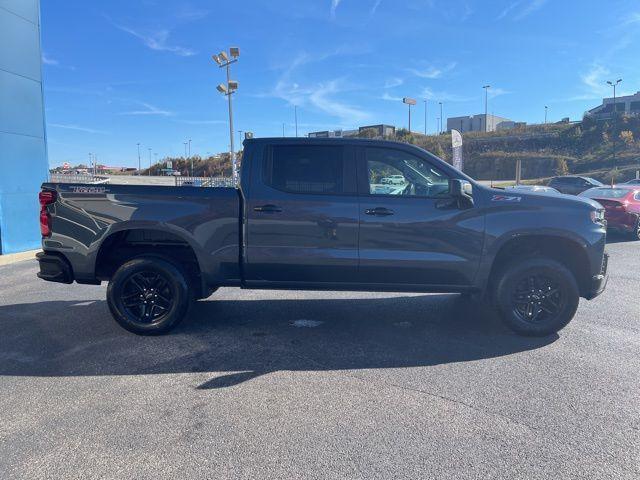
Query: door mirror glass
pixel 460 188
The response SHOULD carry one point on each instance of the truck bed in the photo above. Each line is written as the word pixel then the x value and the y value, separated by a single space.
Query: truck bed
pixel 87 217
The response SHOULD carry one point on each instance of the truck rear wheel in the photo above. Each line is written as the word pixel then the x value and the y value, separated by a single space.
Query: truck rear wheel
pixel 148 296
pixel 537 297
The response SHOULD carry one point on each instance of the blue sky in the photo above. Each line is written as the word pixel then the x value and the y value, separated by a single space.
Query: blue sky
pixel 121 72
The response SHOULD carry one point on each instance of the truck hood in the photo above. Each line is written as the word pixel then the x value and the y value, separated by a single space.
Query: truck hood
pixel 541 199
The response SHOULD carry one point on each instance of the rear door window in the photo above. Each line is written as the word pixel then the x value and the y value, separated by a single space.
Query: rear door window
pixel 310 169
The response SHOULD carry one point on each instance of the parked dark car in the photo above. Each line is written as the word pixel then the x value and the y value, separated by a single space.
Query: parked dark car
pixel 622 207
pixel 573 185
pixel 314 214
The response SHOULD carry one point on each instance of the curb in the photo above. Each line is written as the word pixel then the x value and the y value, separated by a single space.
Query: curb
pixel 18 257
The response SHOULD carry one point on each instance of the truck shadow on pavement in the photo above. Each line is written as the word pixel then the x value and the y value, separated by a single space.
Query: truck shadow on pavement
pixel 242 339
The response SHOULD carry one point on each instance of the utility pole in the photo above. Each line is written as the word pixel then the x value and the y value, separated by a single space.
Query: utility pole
pixel 486 107
pixel 546 108
pixel 295 113
pixel 139 164
pixel 149 162
pixel 223 61
pixel 615 128
pixel 425 117
pixel 190 157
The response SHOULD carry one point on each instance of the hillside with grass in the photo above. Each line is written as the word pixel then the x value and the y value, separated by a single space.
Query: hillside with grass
pixel 545 150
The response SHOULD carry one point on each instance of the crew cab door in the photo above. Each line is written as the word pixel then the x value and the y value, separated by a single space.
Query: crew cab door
pixel 302 215
pixel 413 232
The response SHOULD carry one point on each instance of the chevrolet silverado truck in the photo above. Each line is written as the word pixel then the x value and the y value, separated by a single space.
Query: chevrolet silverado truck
pixel 315 214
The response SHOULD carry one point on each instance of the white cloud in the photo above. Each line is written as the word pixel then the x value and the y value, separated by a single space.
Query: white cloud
pixel 76 128
pixel 375 6
pixel 391 98
pixel 49 61
pixel 321 98
pixel 157 41
pixel 393 82
pixel 443 96
pixel 334 6
pixel 595 81
pixel 432 71
pixel 521 9
pixel 633 18
pixel 148 109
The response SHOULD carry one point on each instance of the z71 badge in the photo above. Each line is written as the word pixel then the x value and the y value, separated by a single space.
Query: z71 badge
pixel 505 198
pixel 91 190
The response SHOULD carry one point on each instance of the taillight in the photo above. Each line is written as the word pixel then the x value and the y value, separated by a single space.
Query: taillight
pixel 46 197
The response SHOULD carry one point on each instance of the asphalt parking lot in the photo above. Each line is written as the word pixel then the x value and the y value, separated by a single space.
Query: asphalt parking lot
pixel 263 384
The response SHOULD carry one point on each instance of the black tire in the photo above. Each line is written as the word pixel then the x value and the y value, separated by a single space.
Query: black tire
pixel 148 296
pixel 635 234
pixel 537 296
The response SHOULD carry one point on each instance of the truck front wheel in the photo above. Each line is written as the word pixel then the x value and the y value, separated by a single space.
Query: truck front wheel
pixel 537 296
pixel 148 296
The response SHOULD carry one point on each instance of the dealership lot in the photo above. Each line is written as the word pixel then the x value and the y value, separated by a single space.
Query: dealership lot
pixel 262 384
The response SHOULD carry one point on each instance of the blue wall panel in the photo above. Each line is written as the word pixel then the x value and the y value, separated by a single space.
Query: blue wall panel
pixel 23 152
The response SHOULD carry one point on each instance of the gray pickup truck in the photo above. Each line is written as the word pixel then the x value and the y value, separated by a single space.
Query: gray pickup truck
pixel 321 214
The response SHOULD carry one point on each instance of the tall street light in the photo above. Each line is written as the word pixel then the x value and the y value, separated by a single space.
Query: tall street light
pixel 149 161
pixel 409 101
pixel 441 117
pixel 223 61
pixel 425 117
pixel 546 108
pixel 486 107
pixel 190 157
pixel 615 126
pixel 139 165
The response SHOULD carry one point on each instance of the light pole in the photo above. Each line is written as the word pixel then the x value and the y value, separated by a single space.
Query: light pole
pixel 546 108
pixel 425 118
pixel 615 127
pixel 91 163
pixel 295 115
pixel 283 130
pixel 139 165
pixel 240 135
pixel 441 117
pixel 149 162
pixel 190 157
pixel 486 107
pixel 223 61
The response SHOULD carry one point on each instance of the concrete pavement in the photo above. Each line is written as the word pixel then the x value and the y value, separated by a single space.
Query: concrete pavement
pixel 263 384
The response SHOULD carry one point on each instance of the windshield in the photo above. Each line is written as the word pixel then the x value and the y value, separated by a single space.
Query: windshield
pixel 594 181
pixel 605 193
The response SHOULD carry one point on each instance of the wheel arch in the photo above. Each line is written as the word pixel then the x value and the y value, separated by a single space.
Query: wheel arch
pixel 568 251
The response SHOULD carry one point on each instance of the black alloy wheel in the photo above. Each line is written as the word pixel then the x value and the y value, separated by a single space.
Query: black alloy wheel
pixel 536 296
pixel 148 295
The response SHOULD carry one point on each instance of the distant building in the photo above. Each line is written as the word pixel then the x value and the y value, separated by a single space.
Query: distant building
pixel 480 123
pixel 381 131
pixel 332 134
pixel 626 105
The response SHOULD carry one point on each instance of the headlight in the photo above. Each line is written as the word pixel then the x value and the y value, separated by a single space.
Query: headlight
pixel 597 216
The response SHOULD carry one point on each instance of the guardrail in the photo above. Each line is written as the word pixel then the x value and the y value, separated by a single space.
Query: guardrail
pixel 204 182
pixel 75 178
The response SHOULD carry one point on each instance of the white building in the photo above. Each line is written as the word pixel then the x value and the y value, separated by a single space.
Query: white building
pixel 626 105
pixel 479 123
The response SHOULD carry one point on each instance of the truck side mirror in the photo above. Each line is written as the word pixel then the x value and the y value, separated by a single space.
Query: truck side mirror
pixel 462 191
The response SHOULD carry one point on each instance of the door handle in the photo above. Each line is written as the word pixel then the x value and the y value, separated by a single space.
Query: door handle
pixel 379 211
pixel 267 209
